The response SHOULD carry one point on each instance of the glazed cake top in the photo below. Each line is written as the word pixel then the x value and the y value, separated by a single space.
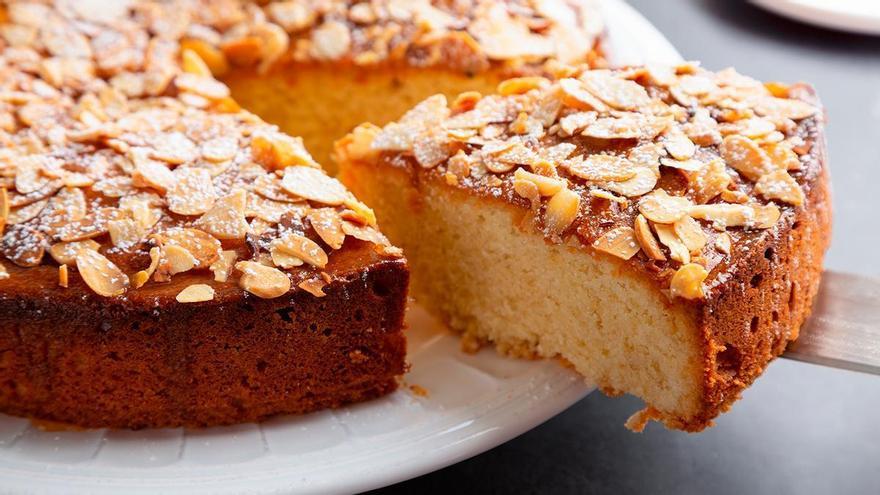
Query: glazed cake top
pixel 134 165
pixel 674 169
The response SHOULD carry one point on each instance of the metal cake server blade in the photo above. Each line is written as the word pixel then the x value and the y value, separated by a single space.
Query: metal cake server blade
pixel 844 329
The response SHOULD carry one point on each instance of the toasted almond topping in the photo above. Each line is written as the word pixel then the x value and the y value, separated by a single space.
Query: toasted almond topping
pixel 192 193
pixel 196 293
pixel 576 96
pixel 784 108
pixel 313 286
pixel 101 274
pixel 687 282
pixel 223 266
pixel 314 185
pixel 779 185
pixel 603 168
pixel 283 259
pixel 26 213
pixel 365 233
pixel 193 63
pixel 261 280
pixel 174 148
pixel 723 243
pixel 627 126
pixel 709 181
pixel 547 186
pixel 124 233
pixel 201 245
pixel 150 173
pixel 64 253
pixel 766 216
pixel 226 219
pixel 647 240
pixel 277 151
pixel 520 85
pixel 641 183
pixel 691 234
pixel 782 156
pixel 174 259
pixel 691 165
pixel 745 156
pixel 725 215
pixel 677 249
pixel 92 225
pixel 562 209
pixel 679 146
pixel 62 276
pixel 303 248
pixel 4 207
pixel 328 224
pixel 219 149
pixel 620 242
pixel 616 92
pixel 660 207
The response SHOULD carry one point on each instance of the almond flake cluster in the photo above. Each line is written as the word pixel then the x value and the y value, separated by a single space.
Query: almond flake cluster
pixel 678 163
pixel 123 158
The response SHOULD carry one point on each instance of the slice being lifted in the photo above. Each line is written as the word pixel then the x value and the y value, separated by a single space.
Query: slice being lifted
pixel 661 229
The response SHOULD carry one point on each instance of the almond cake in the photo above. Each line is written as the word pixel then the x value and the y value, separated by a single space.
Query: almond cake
pixel 660 229
pixel 168 258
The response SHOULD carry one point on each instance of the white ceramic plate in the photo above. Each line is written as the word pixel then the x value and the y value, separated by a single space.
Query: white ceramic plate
pixel 474 403
pixel 857 16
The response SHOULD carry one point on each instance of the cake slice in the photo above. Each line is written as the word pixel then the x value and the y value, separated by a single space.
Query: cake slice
pixel 318 69
pixel 168 259
pixel 660 229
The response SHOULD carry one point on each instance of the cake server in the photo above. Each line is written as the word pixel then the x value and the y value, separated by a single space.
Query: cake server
pixel 844 329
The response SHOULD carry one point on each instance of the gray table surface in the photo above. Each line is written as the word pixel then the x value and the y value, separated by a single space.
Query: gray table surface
pixel 801 428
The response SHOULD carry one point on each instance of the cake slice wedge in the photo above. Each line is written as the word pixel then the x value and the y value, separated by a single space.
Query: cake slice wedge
pixel 660 229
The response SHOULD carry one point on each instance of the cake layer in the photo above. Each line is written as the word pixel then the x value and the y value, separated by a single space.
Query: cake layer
pixel 662 229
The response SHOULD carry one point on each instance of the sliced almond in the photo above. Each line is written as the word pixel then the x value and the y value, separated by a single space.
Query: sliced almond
pixel 620 242
pixel 192 192
pixel 647 240
pixel 23 245
pixel 150 173
pixel 101 274
pixel 4 273
pixel 328 225
pixel 562 210
pixel 745 156
pixel 576 96
pixel 270 210
pixel 124 233
pixel 226 219
pixel 314 185
pixel 302 248
pixel 546 186
pixel 641 183
pixel 709 181
pixel 521 85
pixel 691 234
pixel 782 156
pixel 619 93
pixel 261 280
pixel 766 216
pixel 92 225
pixel 603 168
pixel 203 246
pixel 783 108
pixel 27 212
pixel 724 215
pixel 63 276
pixel 64 253
pixel 313 286
pixel 173 260
pixel 275 150
pixel 223 266
pixel 679 146
pixel 780 185
pixel 195 293
pixel 677 250
pixel 660 207
pixel 220 149
pixel 723 243
pixel 687 282
pixel 174 148
pixel 626 125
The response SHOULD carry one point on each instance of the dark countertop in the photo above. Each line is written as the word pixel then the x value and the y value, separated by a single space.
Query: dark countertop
pixel 800 429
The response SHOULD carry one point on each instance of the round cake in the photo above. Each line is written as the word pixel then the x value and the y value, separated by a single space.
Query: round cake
pixel 170 259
